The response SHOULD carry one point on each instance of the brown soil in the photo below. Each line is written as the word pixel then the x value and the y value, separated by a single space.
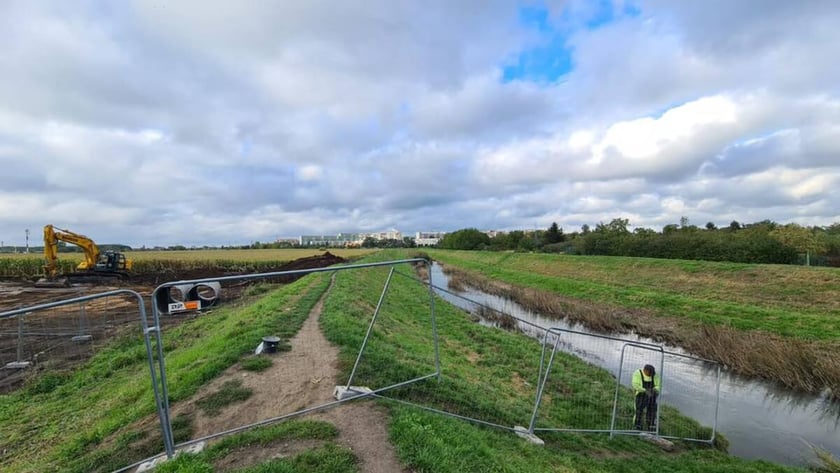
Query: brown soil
pixel 301 378
pixel 46 332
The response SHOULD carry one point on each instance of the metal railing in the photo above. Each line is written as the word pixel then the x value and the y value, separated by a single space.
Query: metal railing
pixel 154 344
pixel 57 334
pixel 685 380
pixel 606 414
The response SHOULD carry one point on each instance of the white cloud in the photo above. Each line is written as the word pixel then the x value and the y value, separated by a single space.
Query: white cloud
pixel 213 122
pixel 310 172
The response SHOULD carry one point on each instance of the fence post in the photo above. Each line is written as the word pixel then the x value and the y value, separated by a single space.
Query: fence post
pixel 370 328
pixel 82 318
pixel 20 339
pixel 542 379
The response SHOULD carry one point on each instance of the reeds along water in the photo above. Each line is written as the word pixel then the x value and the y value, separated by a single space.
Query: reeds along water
pixel 828 463
pixel 501 319
pixel 802 365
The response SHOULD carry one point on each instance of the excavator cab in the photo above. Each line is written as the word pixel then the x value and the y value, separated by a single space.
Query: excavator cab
pixel 112 261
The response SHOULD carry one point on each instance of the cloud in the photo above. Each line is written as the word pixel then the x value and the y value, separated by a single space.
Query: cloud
pixel 212 122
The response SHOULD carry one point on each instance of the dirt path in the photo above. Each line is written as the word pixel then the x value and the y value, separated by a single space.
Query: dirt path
pixel 304 377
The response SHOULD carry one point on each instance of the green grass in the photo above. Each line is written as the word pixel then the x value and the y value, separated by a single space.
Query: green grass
pixel 490 374
pixel 328 458
pixel 256 363
pixel 86 420
pixel 789 301
pixel 230 392
pixel 67 422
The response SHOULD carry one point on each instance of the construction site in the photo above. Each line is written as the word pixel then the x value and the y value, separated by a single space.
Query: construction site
pixel 55 339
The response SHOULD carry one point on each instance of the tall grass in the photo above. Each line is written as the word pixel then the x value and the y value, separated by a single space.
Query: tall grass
pixel 487 375
pixel 783 300
pixel 145 262
pixel 796 364
pixel 827 463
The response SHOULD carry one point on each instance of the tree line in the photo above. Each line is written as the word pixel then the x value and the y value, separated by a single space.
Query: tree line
pixel 760 242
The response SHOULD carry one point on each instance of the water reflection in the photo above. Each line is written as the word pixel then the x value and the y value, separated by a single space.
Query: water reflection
pixel 761 420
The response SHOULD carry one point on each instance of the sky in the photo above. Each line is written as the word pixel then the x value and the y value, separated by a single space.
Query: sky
pixel 197 122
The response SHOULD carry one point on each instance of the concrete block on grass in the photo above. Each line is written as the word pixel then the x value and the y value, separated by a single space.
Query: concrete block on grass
pixel 151 464
pixel 527 435
pixel 343 392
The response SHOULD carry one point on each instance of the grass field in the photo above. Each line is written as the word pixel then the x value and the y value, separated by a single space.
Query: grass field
pixel 79 421
pixel 774 322
pixel 210 255
pixel 30 265
pixel 792 301
pixel 486 374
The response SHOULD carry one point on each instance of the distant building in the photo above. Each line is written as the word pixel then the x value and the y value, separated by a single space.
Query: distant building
pixel 494 233
pixel 428 238
pixel 343 240
pixel 333 241
pixel 392 234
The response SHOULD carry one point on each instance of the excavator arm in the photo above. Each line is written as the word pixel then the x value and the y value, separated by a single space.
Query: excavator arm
pixel 53 235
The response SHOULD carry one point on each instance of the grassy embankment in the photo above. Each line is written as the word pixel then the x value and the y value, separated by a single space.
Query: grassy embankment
pixel 88 420
pixel 80 421
pixel 490 374
pixel 770 321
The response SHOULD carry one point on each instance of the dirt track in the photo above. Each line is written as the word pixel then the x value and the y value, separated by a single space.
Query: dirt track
pixel 303 377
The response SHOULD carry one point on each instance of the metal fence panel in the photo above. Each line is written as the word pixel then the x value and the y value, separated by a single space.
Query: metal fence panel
pixel 293 381
pixel 55 337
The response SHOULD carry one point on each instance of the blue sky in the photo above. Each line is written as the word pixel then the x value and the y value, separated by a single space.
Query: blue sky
pixel 218 123
pixel 551 57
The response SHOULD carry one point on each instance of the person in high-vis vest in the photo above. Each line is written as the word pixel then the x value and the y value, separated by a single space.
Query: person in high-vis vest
pixel 647 385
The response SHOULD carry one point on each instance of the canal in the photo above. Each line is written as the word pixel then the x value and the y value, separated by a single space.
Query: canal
pixel 761 420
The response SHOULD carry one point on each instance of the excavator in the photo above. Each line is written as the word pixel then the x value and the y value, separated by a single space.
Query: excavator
pixel 107 265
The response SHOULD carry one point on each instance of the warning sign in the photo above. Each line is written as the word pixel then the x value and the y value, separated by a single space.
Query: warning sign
pixel 184 306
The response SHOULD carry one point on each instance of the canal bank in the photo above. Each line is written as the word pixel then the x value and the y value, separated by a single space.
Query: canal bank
pixel 760 419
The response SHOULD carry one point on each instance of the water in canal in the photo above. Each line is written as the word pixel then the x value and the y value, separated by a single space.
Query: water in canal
pixel 761 420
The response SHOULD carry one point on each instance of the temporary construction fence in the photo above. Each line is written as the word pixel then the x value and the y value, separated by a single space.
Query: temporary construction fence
pixel 52 337
pixel 543 395
pixel 292 399
pixel 581 381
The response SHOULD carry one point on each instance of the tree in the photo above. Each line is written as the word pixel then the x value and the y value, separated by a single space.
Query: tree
pixel 369 242
pixel 711 226
pixel 833 229
pixel 669 229
pixel 554 234
pixel 465 239
pixel 513 239
pixel 616 225
pixel 734 226
pixel 584 229
pixel 801 238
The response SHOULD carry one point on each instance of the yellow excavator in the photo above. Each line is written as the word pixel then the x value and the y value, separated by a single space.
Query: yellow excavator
pixel 110 264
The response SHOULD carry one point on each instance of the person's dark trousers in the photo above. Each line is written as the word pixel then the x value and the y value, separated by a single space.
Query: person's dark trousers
pixel 651 411
pixel 645 409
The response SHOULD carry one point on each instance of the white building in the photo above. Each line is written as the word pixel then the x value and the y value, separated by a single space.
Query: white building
pixel 428 238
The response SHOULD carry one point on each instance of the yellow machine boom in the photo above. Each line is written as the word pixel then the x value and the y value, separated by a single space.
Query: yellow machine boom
pixel 94 260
